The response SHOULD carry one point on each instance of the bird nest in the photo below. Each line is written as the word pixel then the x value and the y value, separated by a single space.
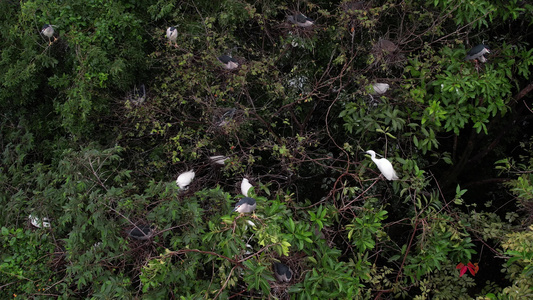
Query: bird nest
pixel 387 53
pixel 292 30
pixel 225 118
pixel 279 289
pixel 136 96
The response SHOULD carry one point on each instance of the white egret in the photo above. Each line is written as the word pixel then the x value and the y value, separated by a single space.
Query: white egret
pixel 384 166
pixel 245 187
pixel 185 179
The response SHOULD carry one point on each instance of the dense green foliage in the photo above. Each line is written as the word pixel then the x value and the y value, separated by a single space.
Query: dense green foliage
pixel 82 148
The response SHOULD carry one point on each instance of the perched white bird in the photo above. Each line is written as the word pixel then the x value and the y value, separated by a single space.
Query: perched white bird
pixel 185 179
pixel 218 159
pixel 245 187
pixel 172 35
pixel 379 88
pixel 384 166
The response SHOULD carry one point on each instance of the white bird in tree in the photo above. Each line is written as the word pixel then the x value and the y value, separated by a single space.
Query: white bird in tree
pixel 245 187
pixel 384 166
pixel 185 179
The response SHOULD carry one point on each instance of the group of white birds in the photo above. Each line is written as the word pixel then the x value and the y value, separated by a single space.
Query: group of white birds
pixel 184 179
pixel 245 205
pixel 282 272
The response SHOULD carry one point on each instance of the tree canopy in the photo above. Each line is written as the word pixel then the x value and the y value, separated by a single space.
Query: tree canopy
pixel 100 119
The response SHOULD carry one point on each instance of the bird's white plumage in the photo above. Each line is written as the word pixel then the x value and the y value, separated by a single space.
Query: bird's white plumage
pixel 245 205
pixel 245 187
pixel 384 166
pixel 478 52
pixel 228 62
pixel 218 159
pixel 380 88
pixel 184 179
pixel 48 30
pixel 172 34
pixel 231 65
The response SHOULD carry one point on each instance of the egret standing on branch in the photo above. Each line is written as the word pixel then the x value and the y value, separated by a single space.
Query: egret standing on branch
pixel 384 166
pixel 245 187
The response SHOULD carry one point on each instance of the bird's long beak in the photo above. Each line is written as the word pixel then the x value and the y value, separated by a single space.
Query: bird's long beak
pixel 235 209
